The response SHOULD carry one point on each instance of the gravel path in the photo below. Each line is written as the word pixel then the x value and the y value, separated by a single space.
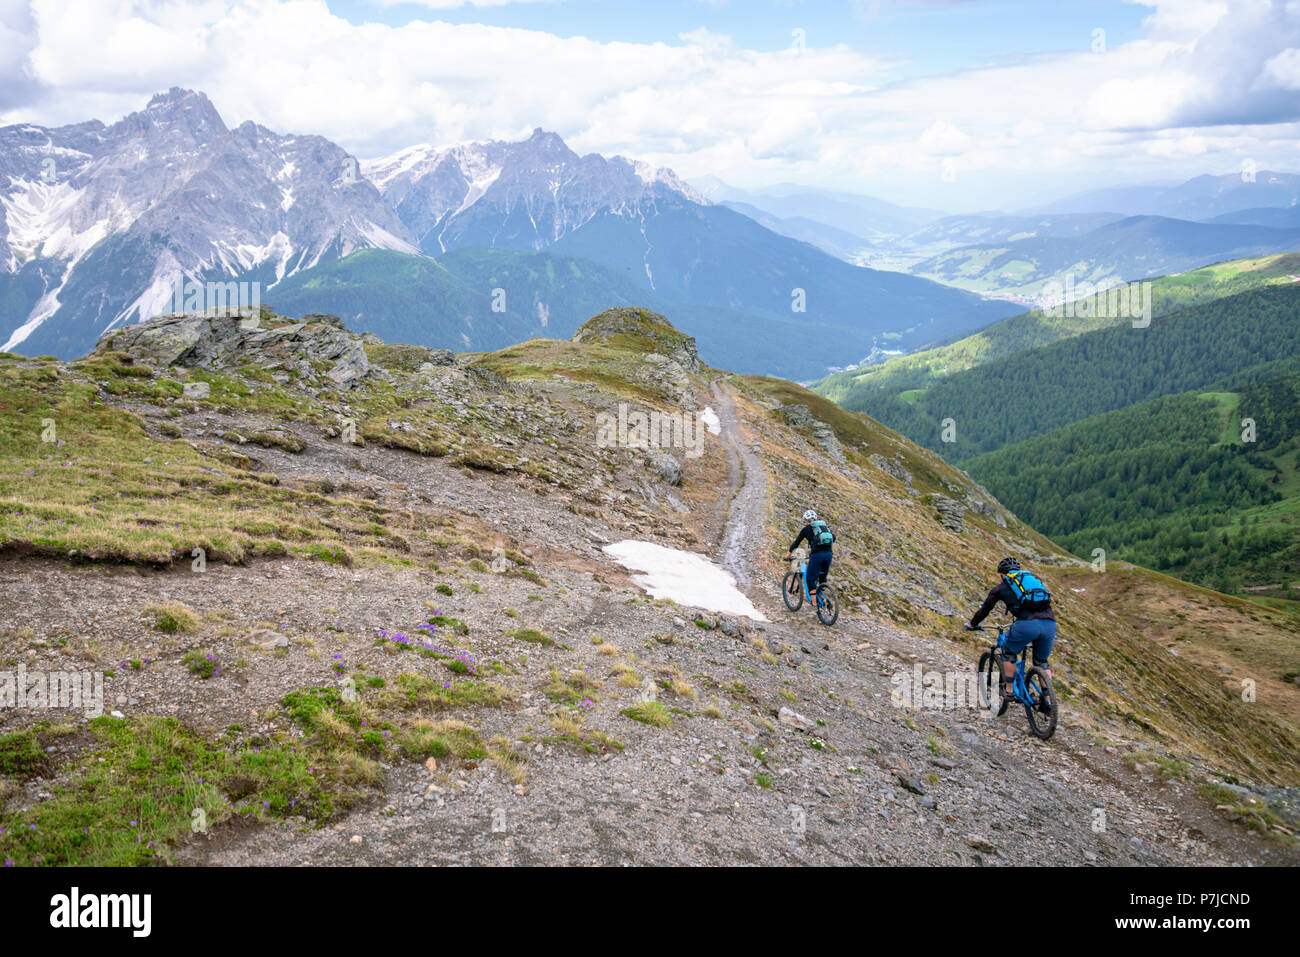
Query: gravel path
pixel 743 536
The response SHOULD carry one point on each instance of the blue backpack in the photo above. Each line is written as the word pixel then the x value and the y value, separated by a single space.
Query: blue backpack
pixel 821 533
pixel 1031 594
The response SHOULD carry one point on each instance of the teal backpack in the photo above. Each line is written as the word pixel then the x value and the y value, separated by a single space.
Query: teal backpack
pixel 1030 593
pixel 821 533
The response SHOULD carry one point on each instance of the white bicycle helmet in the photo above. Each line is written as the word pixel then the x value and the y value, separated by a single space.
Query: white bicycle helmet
pixel 810 516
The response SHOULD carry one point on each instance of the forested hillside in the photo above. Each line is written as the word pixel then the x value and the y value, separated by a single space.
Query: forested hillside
pixel 1170 484
pixel 1021 396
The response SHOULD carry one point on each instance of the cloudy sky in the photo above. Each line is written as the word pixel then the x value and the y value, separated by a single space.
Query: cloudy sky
pixel 957 105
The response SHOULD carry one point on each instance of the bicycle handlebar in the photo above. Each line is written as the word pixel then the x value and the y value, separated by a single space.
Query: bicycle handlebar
pixel 1001 628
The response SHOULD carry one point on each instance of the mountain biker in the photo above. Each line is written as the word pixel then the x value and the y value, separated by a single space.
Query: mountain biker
pixel 819 537
pixel 1035 624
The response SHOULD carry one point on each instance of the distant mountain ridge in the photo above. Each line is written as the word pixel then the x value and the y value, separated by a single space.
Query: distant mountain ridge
pixel 1202 197
pixel 1138 247
pixel 852 213
pixel 1119 233
pixel 647 225
pixel 477 206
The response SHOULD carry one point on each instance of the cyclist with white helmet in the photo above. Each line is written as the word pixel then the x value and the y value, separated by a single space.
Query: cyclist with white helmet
pixel 819 537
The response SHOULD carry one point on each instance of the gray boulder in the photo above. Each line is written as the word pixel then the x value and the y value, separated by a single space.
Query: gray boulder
pixel 215 342
pixel 798 416
pixel 666 468
pixel 792 719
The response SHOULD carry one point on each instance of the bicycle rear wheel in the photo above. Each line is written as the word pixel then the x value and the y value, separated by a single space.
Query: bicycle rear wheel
pixel 1041 695
pixel 792 591
pixel 989 679
pixel 828 605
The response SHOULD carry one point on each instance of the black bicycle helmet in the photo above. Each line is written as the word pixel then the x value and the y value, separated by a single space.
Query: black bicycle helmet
pixel 1008 565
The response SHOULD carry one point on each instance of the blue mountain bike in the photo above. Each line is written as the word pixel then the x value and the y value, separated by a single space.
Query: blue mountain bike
pixel 795 592
pixel 1033 686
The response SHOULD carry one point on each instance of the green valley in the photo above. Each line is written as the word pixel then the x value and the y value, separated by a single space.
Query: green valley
pixel 1029 330
pixel 1032 392
pixel 1173 446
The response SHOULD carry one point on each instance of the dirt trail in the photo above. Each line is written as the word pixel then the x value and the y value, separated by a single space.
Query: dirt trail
pixel 742 538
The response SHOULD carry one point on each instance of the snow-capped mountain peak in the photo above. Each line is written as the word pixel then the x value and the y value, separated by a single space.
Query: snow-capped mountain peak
pixel 117 213
pixel 525 194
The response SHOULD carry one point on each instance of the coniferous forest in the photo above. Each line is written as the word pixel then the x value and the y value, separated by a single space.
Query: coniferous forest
pixel 1173 446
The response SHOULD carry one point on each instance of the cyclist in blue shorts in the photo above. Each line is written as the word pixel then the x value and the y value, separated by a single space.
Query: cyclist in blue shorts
pixel 1030 604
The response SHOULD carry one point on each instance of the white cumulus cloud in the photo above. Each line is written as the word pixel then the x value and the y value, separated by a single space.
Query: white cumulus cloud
pixel 1207 82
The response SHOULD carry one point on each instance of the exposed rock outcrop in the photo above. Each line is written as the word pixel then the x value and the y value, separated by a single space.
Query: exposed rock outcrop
pixel 892 467
pixel 798 416
pixel 951 513
pixel 801 417
pixel 670 376
pixel 216 342
pixel 438 357
pixel 641 329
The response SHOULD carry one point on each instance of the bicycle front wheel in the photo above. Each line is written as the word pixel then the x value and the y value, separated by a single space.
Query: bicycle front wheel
pixel 989 680
pixel 1042 708
pixel 792 591
pixel 828 605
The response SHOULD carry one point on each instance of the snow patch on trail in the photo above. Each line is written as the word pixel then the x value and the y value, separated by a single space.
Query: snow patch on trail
pixel 685 577
pixel 711 420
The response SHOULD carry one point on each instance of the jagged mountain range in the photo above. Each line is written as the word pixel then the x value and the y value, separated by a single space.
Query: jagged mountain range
pixel 517 195
pixel 745 287
pixel 100 223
